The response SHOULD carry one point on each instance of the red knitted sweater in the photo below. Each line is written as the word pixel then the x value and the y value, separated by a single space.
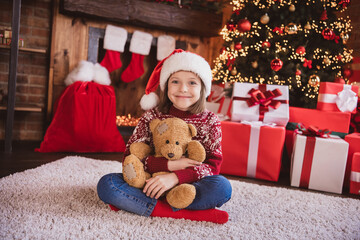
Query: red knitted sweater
pixel 208 129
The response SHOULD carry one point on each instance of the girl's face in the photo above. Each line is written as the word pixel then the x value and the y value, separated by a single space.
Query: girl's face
pixel 184 89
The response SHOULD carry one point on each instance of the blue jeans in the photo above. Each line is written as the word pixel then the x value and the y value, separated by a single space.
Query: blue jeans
pixel 211 192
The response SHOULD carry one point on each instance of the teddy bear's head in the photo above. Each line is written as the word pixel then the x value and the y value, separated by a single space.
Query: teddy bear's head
pixel 171 137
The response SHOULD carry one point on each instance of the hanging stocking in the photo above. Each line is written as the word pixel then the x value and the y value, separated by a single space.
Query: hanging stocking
pixel 165 45
pixel 140 45
pixel 114 43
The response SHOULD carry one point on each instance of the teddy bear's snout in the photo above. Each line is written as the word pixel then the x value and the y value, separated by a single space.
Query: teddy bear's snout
pixel 171 155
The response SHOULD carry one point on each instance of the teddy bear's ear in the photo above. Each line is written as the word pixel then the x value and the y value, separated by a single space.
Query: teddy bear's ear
pixel 153 124
pixel 192 129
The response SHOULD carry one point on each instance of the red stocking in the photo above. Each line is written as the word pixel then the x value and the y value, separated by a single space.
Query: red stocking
pixel 135 68
pixel 111 60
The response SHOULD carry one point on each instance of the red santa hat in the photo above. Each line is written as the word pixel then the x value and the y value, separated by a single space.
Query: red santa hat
pixel 178 60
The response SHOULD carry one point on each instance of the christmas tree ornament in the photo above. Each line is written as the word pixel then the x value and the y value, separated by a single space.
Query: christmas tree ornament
pixel 298 72
pixel 238 46
pixel 307 26
pixel 323 16
pixel 266 44
pixel 114 43
pixel 165 45
pixel 276 64
pixel 140 45
pixel 314 80
pixel 233 71
pixel 244 25
pixel 344 37
pixel 232 46
pixel 347 72
pixel 339 80
pixel 231 26
pixel 265 19
pixel 344 3
pixel 327 34
pixel 292 8
pixel 300 50
pixel 254 64
pixel 291 28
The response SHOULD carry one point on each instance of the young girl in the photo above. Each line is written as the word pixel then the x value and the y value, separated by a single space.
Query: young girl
pixel 185 82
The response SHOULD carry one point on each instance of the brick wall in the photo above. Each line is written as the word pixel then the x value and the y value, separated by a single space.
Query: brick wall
pixel 32 72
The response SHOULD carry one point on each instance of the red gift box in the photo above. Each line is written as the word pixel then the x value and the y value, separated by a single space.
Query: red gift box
pixel 337 122
pixel 252 150
pixel 337 97
pixel 354 146
pixel 355 174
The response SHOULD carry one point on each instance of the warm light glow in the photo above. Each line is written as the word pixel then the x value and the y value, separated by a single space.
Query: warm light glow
pixel 127 121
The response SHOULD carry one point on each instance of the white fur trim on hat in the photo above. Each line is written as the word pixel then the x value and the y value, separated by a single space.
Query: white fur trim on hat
pixel 149 101
pixel 87 71
pixel 115 38
pixel 187 61
pixel 141 43
pixel 165 46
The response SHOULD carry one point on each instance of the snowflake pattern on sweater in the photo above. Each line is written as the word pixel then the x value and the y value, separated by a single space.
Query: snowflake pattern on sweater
pixel 208 129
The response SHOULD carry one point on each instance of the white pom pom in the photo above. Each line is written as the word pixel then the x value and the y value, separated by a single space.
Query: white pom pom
pixel 149 101
pixel 83 72
pixel 101 75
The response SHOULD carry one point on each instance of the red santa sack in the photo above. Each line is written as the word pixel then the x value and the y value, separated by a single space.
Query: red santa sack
pixel 84 121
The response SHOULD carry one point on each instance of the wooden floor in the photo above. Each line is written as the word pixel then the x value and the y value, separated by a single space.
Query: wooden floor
pixel 24 157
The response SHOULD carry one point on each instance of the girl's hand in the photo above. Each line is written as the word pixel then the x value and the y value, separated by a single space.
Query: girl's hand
pixel 156 186
pixel 182 163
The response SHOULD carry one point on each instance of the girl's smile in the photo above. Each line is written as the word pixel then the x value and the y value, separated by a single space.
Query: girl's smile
pixel 184 89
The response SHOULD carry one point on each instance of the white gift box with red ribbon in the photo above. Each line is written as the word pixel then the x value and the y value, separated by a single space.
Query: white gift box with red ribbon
pixel 218 102
pixel 319 163
pixel 260 102
pixel 337 97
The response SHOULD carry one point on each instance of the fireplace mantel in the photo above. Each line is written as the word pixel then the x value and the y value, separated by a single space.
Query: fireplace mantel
pixel 146 14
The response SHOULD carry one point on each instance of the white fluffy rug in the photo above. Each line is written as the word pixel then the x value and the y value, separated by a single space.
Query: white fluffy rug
pixel 59 201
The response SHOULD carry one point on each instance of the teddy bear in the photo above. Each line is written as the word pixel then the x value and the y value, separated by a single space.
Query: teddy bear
pixel 172 138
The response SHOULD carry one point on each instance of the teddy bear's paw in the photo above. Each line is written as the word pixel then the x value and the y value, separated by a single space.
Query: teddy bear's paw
pixel 181 196
pixel 196 151
pixel 133 171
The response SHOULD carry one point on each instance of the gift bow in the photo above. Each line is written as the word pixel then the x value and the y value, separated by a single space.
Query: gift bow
pixel 346 100
pixel 312 131
pixel 307 63
pixel 264 98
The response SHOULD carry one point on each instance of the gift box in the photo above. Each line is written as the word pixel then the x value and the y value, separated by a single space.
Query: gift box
pixel 337 97
pixel 252 149
pixel 354 146
pixel 338 122
pixel 218 102
pixel 319 163
pixel 355 174
pixel 260 102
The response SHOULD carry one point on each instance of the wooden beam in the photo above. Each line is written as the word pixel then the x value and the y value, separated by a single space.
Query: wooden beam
pixel 146 14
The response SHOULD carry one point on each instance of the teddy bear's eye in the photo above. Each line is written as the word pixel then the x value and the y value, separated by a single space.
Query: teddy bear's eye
pixel 177 143
pixel 167 141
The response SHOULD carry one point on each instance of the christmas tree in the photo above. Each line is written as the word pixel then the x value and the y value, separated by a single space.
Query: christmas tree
pixel 286 42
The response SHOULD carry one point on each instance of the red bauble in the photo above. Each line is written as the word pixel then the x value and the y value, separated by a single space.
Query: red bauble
pixel 347 72
pixel 300 50
pixel 238 46
pixel 266 44
pixel 344 3
pixel 298 72
pixel 244 25
pixel 328 34
pixel 276 64
pixel 339 80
